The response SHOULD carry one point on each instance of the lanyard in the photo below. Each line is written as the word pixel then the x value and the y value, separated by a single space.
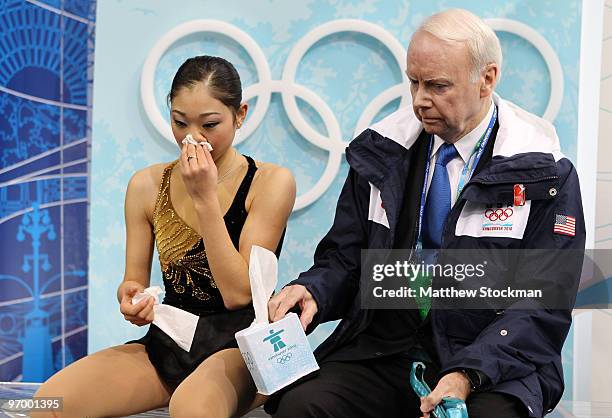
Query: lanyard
pixel 467 172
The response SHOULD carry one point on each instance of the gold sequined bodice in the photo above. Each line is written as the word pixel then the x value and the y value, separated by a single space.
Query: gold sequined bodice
pixel 181 250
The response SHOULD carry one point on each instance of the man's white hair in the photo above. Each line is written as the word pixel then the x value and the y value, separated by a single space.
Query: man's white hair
pixel 459 25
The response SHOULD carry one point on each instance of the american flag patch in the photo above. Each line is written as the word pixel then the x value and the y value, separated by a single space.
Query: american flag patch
pixel 565 225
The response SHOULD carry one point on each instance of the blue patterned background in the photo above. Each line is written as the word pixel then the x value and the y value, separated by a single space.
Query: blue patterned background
pixel 46 61
pixel 347 70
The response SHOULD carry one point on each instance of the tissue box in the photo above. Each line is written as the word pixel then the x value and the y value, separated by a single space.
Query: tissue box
pixel 276 354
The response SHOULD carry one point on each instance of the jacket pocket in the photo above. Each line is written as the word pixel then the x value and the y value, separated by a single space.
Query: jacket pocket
pixel 467 324
pixel 551 383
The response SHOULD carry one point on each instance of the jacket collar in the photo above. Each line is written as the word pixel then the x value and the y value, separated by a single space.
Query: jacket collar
pixel 385 165
pixel 381 148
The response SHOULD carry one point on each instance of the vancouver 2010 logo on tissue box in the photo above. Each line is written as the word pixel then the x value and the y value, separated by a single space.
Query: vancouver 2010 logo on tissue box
pixel 281 356
pixel 276 340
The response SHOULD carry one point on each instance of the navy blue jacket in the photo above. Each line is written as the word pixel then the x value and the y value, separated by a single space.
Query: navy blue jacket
pixel 518 349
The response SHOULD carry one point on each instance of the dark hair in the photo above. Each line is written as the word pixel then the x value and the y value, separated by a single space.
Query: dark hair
pixel 217 74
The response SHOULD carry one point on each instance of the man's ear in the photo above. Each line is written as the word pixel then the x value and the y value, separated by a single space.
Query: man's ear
pixel 490 76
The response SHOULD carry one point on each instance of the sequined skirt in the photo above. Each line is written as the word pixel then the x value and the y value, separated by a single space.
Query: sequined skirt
pixel 214 332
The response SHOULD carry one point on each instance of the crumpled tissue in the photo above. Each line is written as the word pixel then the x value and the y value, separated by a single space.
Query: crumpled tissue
pixel 178 324
pixel 189 140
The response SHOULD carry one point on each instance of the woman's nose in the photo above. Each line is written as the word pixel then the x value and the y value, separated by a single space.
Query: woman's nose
pixel 197 135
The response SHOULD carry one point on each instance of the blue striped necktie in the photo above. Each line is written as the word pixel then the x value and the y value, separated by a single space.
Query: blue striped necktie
pixel 438 202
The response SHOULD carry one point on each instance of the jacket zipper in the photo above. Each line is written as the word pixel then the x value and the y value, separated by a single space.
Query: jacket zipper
pixel 511 182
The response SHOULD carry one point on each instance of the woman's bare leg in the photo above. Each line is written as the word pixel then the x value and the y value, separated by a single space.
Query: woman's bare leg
pixel 117 381
pixel 220 387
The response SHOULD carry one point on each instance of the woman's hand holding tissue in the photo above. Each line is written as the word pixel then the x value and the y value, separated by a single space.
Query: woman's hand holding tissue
pixel 139 314
pixel 199 173
pixel 287 298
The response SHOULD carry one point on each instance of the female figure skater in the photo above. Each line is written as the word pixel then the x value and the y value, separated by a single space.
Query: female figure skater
pixel 203 211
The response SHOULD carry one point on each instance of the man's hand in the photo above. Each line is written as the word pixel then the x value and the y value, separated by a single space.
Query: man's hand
pixel 453 385
pixel 290 296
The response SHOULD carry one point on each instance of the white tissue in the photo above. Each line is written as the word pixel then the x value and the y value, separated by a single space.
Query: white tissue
pixel 178 324
pixel 263 274
pixel 189 140
pixel 153 291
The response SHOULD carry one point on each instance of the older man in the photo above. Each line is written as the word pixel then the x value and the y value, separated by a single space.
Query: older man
pixel 423 178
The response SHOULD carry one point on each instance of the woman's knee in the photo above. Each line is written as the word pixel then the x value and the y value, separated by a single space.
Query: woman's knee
pixel 70 398
pixel 183 405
